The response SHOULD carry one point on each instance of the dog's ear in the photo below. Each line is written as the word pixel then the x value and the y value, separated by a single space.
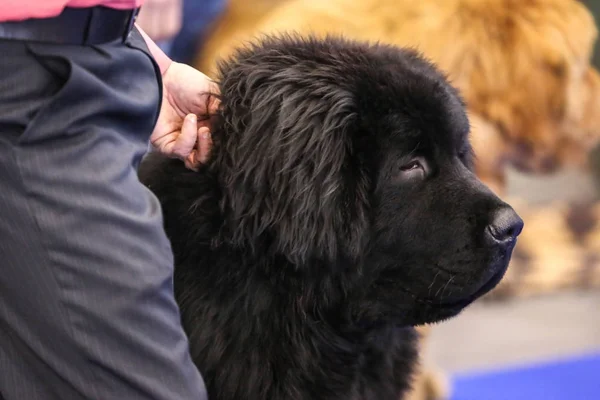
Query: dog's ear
pixel 291 185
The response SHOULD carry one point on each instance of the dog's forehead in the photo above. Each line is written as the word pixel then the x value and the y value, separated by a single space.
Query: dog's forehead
pixel 413 104
pixel 385 84
pixel 439 120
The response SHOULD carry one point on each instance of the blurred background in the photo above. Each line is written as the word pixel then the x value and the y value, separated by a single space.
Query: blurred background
pixel 528 72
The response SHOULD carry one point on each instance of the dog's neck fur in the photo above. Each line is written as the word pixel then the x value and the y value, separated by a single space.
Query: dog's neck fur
pixel 272 302
pixel 304 322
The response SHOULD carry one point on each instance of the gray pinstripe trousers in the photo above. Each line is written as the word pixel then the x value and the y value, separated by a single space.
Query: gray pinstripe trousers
pixel 86 303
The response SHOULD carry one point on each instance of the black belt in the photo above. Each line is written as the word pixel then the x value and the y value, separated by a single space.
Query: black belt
pixel 79 26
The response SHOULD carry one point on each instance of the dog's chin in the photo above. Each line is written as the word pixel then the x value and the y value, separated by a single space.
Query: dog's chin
pixel 437 311
pixel 403 308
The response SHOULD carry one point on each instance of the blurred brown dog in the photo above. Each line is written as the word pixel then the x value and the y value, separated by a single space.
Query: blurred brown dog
pixel 523 67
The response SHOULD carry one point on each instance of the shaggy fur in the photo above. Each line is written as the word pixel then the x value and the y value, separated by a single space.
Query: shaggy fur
pixel 338 209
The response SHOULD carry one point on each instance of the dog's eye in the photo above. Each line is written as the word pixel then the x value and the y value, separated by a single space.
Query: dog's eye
pixel 415 168
pixel 414 164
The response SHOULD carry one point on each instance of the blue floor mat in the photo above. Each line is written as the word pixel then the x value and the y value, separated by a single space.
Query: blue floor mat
pixel 570 379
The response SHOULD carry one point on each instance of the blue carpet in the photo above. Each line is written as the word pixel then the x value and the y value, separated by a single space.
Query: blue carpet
pixel 570 379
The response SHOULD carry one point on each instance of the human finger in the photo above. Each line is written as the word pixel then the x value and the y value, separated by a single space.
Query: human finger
pixel 187 138
pixel 204 144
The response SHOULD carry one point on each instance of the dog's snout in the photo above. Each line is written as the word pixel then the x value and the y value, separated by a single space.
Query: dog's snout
pixel 506 225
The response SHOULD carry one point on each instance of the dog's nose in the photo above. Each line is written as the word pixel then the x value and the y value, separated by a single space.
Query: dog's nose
pixel 506 225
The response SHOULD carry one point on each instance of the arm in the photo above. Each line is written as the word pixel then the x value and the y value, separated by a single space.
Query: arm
pixel 163 61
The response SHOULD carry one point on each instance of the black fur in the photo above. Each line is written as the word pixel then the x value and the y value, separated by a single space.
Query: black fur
pixel 311 243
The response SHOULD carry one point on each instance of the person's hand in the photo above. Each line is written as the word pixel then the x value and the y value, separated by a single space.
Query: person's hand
pixel 161 19
pixel 179 132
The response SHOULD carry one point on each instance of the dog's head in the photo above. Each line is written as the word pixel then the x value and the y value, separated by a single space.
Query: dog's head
pixel 353 156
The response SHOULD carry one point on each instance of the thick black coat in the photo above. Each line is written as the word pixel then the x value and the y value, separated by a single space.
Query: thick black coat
pixel 337 210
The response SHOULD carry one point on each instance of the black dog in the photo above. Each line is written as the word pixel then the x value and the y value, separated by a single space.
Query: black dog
pixel 338 210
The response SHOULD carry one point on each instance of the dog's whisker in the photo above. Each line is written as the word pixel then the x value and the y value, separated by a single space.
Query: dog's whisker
pixel 432 282
pixel 446 285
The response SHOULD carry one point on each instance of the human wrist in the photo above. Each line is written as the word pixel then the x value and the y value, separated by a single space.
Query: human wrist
pixel 163 61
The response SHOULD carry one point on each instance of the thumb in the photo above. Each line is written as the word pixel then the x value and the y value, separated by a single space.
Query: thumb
pixel 186 140
pixel 204 144
pixel 200 154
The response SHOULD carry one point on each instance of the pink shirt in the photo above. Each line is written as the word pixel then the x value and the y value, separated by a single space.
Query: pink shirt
pixel 15 10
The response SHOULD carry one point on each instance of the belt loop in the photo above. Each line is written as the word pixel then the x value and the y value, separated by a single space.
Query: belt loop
pixel 87 36
pixel 131 22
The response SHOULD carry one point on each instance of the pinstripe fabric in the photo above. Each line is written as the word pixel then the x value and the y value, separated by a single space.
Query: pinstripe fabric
pixel 86 303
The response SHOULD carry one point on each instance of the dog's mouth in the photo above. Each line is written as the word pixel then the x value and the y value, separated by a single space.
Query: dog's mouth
pixel 432 311
pixel 440 311
pixel 427 310
pixel 499 267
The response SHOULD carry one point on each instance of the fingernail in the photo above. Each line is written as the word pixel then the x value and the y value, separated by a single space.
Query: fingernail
pixel 192 118
pixel 205 135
